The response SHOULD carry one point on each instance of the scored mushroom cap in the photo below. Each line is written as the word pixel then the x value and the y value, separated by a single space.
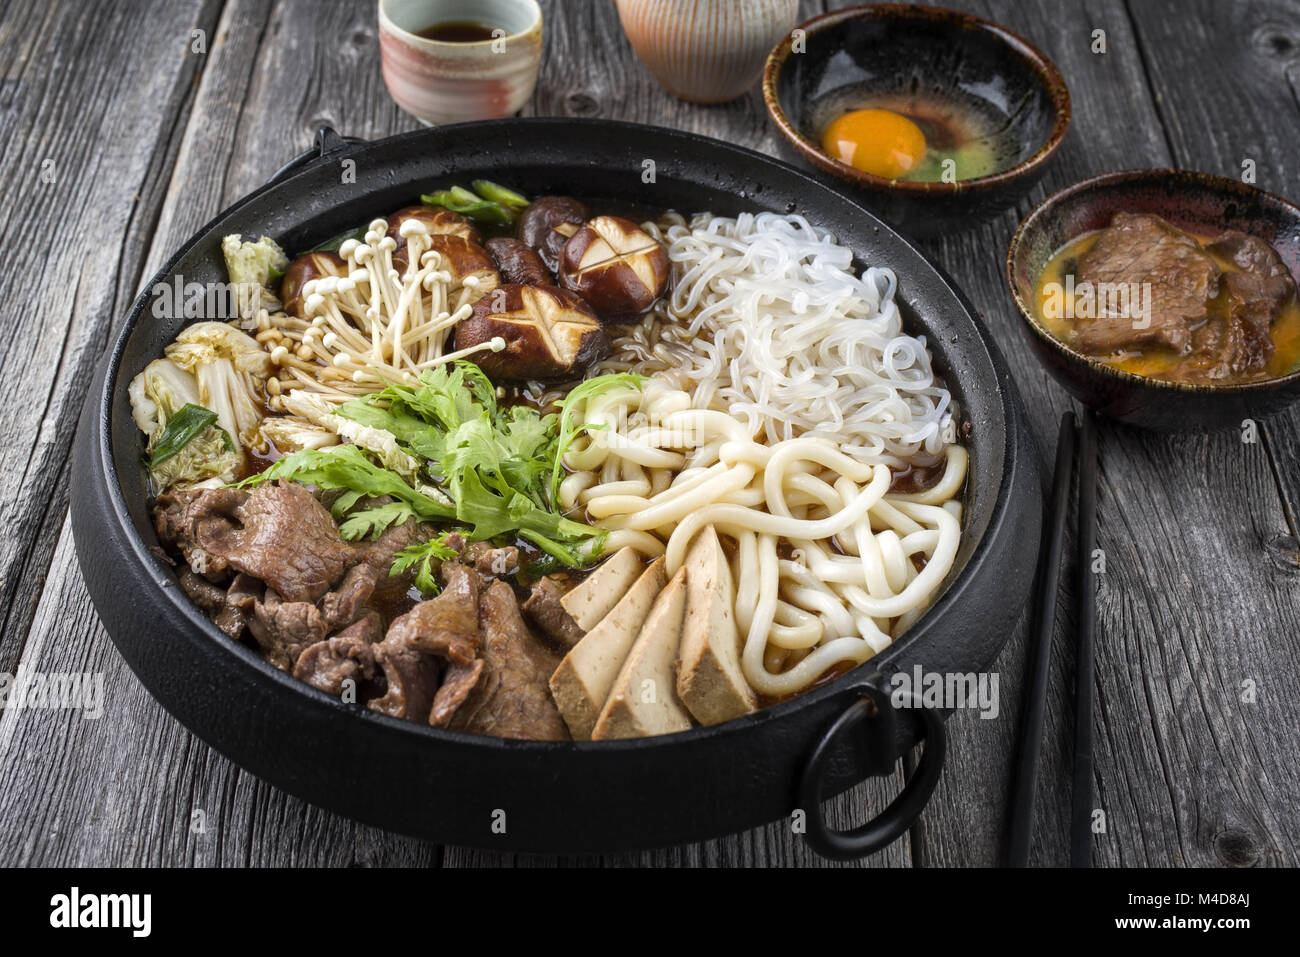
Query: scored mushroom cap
pixel 550 333
pixel 616 266
pixel 302 270
pixel 439 222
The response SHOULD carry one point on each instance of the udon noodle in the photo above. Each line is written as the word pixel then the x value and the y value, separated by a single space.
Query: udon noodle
pixel 782 397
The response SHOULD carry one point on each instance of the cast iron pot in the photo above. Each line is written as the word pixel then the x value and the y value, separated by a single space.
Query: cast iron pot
pixel 459 788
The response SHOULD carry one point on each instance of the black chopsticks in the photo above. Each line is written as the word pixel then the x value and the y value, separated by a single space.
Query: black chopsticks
pixel 1070 449
pixel 1086 624
pixel 1049 579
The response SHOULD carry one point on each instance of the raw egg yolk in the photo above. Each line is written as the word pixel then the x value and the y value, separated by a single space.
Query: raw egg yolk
pixel 879 142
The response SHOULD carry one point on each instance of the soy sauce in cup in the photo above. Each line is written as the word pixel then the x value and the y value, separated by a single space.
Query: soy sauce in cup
pixel 452 61
pixel 461 31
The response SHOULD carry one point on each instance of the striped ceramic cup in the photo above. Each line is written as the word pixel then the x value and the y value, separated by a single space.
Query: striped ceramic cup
pixel 448 82
pixel 706 51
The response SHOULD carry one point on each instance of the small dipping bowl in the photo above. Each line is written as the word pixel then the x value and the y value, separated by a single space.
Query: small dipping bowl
pixel 1196 202
pixel 953 71
pixel 441 82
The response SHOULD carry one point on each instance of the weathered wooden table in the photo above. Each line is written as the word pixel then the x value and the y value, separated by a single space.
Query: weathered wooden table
pixel 127 125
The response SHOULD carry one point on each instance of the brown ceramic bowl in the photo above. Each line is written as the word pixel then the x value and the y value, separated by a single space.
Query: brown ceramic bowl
pixel 887 53
pixel 1197 202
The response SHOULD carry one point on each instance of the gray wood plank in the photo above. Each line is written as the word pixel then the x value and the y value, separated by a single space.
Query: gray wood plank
pixel 1249 55
pixel 1175 770
pixel 85 132
pixel 965 823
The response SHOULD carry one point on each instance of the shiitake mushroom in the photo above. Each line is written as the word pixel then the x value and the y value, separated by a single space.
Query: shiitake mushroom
pixel 550 333
pixel 518 262
pixel 547 224
pixel 617 267
pixel 439 222
pixel 462 259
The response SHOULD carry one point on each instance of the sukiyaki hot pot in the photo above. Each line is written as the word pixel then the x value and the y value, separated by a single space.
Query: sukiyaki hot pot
pixel 757 560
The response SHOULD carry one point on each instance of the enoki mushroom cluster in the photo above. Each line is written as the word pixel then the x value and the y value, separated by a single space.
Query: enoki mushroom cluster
pixel 372 324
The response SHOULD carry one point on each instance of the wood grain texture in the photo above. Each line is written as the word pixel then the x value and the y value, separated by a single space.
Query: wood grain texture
pixel 1200 593
pixel 78 177
pixel 1176 771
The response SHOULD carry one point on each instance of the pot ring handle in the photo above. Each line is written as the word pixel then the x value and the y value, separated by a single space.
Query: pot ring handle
pixel 326 142
pixel 887 826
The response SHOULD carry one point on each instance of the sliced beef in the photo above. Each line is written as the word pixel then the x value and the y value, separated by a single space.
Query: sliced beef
pixel 1239 341
pixel 284 629
pixel 330 664
pixel 347 602
pixel 229 608
pixel 284 536
pixel 369 584
pixel 181 516
pixel 544 610
pixel 486 559
pixel 511 699
pixel 380 553
pixel 368 628
pixel 1136 249
pixel 1255 257
pixel 210 598
pixel 441 629
pixel 241 598
pixel 412 678
pixel 456 686
pixel 1251 313
pixel 446 626
pixel 279 533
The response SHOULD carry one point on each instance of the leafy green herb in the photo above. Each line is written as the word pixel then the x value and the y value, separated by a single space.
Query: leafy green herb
pixel 346 467
pixel 490 469
pixel 421 557
pixel 189 421
pixel 493 462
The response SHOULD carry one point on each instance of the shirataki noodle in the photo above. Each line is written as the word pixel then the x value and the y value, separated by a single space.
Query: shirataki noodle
pixel 768 322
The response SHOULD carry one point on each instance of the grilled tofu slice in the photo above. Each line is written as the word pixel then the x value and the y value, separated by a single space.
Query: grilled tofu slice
pixel 597 594
pixel 643 700
pixel 710 681
pixel 581 683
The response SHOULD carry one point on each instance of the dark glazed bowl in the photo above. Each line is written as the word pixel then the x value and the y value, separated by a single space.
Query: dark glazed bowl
pixel 853 56
pixel 457 788
pixel 1197 202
